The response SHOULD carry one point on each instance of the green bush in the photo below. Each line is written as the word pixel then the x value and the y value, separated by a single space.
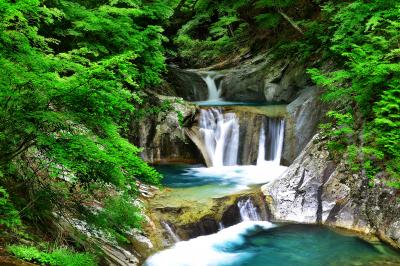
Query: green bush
pixel 58 257
pixel 118 216
pixel 9 216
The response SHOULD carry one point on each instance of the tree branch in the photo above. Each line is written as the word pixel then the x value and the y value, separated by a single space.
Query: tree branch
pixel 294 25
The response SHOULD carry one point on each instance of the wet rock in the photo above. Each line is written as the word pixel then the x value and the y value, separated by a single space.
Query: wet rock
pixel 189 219
pixel 187 84
pixel 317 190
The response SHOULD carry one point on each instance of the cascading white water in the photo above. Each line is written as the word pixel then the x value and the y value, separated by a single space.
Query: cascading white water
pixel 170 232
pixel 214 91
pixel 247 210
pixel 221 136
pixel 221 226
pixel 210 249
pixel 274 139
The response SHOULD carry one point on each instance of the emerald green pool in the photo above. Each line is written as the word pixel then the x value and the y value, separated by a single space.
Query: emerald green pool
pixel 259 243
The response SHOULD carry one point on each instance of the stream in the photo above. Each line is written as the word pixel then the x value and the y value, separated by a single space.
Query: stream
pixel 252 241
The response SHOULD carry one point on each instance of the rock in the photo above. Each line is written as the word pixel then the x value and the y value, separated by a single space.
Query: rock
pixel 140 242
pixel 261 78
pixel 188 218
pixel 301 122
pixel 314 189
pixel 94 239
pixel 162 137
pixel 271 90
pixel 187 84
pixel 264 78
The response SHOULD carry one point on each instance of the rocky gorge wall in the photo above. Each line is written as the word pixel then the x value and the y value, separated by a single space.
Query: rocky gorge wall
pixel 261 78
pixel 265 77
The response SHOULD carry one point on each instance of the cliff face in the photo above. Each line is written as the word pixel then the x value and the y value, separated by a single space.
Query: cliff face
pixel 264 78
pixel 317 190
pixel 302 118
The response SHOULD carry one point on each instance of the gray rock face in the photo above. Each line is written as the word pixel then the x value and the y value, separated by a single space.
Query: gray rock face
pixel 162 138
pixel 316 190
pixel 186 84
pixel 264 78
pixel 302 119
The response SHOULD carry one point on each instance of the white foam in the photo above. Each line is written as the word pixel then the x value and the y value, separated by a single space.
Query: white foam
pixel 208 250
pixel 241 175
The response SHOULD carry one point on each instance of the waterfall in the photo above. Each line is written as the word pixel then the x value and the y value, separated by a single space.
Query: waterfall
pixel 261 146
pixel 221 226
pixel 214 91
pixel 170 232
pixel 221 136
pixel 273 139
pixel 248 212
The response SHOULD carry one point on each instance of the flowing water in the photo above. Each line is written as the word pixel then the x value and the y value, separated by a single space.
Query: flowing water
pixel 247 210
pixel 252 242
pixel 170 232
pixel 214 82
pixel 221 136
pixel 271 144
pixel 214 90
pixel 260 243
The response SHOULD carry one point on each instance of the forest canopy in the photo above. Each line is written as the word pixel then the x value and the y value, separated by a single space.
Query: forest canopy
pixel 72 73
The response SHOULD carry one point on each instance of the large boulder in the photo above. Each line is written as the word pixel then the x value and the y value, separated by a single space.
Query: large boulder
pixel 162 136
pixel 264 78
pixel 316 189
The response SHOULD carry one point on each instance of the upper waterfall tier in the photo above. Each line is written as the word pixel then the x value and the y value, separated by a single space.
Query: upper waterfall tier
pixel 214 87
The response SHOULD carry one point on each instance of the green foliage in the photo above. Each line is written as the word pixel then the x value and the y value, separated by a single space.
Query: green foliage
pixel 364 44
pixel 118 216
pixel 387 121
pixel 180 118
pixel 268 20
pixel 216 29
pixel 71 73
pixel 9 216
pixel 274 3
pixel 58 257
pixel 340 131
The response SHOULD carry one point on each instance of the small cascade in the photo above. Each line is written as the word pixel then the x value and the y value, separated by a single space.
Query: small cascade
pixel 214 91
pixel 248 212
pixel 170 232
pixel 221 136
pixel 271 143
pixel 221 226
